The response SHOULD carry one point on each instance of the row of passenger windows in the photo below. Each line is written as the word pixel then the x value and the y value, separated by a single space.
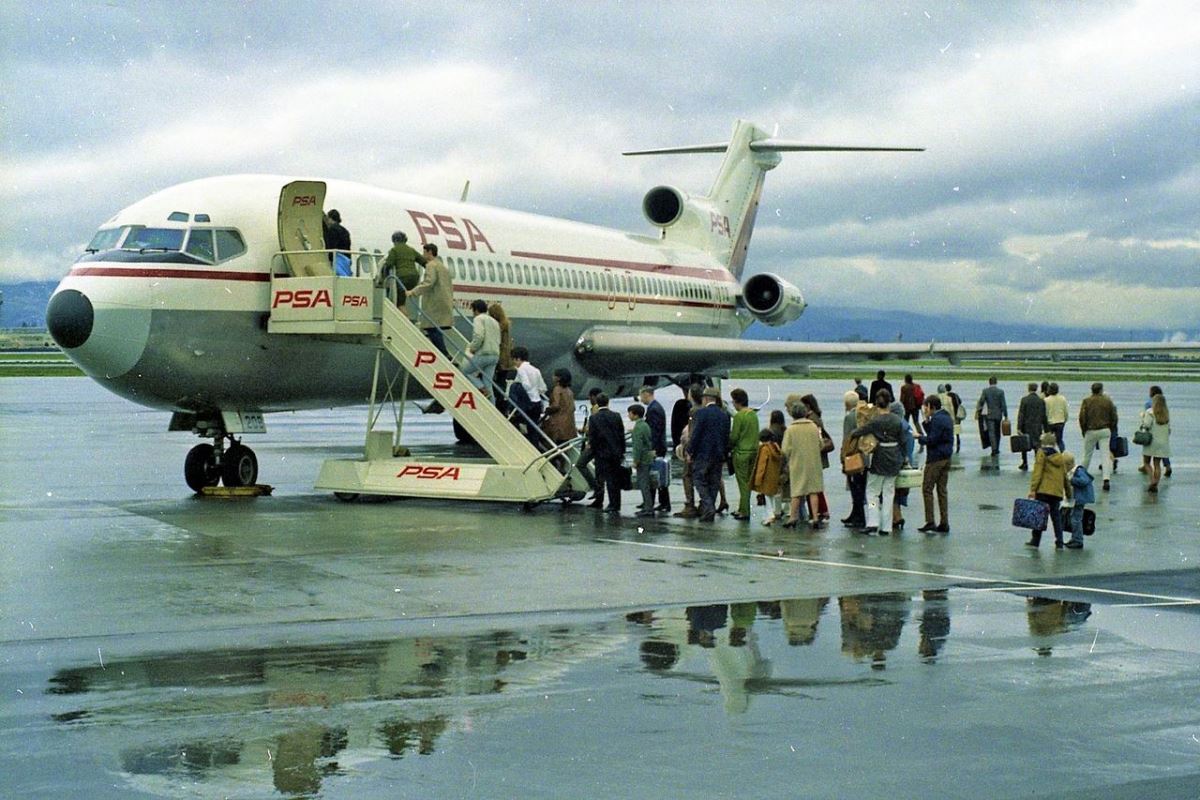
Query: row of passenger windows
pixel 503 272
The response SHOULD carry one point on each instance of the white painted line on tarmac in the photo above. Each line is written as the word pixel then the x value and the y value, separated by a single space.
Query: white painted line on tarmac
pixel 1157 605
pixel 1015 585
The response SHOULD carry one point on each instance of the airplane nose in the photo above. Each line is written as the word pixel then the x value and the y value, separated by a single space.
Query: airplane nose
pixel 70 317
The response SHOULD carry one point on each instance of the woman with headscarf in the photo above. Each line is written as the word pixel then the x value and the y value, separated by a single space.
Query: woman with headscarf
pixel 802 449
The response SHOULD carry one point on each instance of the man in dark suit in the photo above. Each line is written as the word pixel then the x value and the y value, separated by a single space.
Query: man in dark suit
pixel 606 438
pixel 1031 420
pixel 880 382
pixel 708 445
pixel 656 418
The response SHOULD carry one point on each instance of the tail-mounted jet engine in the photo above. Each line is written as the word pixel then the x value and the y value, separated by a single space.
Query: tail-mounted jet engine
pixel 772 300
pixel 687 217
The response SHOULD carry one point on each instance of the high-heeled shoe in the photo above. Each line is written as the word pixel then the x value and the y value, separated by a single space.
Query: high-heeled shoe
pixel 898 524
pixel 791 523
pixel 721 509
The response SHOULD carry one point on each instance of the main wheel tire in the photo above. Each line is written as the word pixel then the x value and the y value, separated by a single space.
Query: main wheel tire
pixel 239 466
pixel 346 497
pixel 200 467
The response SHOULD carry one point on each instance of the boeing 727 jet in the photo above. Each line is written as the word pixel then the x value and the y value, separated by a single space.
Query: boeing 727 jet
pixel 173 303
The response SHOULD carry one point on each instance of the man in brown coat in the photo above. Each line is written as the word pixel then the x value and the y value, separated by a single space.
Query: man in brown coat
pixel 1097 421
pixel 437 308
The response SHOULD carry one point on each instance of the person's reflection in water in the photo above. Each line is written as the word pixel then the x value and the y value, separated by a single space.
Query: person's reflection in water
pixel 737 665
pixel 704 622
pixel 935 625
pixel 871 625
pixel 400 734
pixel 1049 618
pixel 800 618
pixel 294 765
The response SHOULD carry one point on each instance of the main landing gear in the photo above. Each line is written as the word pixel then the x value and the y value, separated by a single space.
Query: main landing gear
pixel 209 464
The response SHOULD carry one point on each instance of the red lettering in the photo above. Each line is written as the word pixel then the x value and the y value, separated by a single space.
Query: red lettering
pixel 425 357
pixel 429 472
pixel 283 296
pixel 322 299
pixel 454 239
pixel 304 200
pixel 476 235
pixel 466 399
pixel 425 225
pixel 443 380
pixel 355 301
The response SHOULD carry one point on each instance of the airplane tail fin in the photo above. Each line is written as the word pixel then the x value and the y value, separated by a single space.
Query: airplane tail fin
pixel 723 220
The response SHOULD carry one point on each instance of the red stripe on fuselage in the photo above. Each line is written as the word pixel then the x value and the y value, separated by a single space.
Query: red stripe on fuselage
pixel 158 272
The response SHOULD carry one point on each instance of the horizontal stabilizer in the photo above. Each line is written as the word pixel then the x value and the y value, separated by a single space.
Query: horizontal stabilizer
pixel 772 146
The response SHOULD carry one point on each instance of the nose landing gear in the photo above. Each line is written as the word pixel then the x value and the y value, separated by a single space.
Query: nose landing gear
pixel 210 464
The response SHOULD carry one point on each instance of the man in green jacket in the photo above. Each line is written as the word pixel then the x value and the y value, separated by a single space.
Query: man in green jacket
pixel 743 444
pixel 402 262
pixel 643 458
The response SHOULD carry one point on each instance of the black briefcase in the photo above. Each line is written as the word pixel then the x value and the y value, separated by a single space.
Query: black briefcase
pixel 1020 443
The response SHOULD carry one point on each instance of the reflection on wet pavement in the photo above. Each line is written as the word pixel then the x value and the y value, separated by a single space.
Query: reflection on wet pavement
pixel 297 718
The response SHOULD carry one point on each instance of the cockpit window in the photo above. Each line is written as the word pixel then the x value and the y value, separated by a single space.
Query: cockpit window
pixel 138 243
pixel 200 245
pixel 229 244
pixel 105 239
pixel 165 239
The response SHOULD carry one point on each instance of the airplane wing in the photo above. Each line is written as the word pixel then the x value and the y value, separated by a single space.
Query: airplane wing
pixel 616 352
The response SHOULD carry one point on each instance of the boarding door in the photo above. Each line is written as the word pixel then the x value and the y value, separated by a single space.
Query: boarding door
pixel 302 227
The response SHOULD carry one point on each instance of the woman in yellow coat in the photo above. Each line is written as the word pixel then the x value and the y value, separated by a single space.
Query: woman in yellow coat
pixel 802 449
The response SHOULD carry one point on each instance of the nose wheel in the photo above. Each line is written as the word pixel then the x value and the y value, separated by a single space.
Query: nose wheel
pixel 208 465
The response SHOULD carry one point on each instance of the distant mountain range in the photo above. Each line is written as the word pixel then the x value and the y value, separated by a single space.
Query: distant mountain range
pixel 25 306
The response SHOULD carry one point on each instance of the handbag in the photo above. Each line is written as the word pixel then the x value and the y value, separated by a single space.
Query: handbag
pixel 827 445
pixel 1030 514
pixel 910 479
pixel 1080 478
pixel 1143 437
pixel 854 464
pixel 624 478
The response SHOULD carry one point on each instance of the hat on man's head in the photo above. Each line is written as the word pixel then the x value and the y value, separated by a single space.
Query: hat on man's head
pixel 712 391
pixel 1049 439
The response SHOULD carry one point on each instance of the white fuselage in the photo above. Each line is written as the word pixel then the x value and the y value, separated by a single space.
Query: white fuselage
pixel 181 335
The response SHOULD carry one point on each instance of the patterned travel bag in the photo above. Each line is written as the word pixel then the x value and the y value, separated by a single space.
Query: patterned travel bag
pixel 1030 514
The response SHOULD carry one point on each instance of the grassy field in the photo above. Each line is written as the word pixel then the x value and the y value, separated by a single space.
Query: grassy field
pixel 36 365
pixel 930 370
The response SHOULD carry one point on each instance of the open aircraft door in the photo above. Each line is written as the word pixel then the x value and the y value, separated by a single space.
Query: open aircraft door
pixel 301 227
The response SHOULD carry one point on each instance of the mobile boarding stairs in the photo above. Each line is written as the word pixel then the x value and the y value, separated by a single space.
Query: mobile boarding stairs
pixel 516 472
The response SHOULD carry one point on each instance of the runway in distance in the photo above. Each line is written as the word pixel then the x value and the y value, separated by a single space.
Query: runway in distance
pixel 170 302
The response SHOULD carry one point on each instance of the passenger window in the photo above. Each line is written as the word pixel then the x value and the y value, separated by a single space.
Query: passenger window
pixel 508 272
pixel 229 244
pixel 200 245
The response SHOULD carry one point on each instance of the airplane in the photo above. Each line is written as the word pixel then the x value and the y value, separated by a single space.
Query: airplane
pixel 170 303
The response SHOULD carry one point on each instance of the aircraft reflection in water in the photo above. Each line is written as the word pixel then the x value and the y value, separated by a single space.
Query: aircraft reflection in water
pixel 291 717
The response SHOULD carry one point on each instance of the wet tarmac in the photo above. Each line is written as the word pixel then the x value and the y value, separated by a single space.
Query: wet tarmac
pixel 157 644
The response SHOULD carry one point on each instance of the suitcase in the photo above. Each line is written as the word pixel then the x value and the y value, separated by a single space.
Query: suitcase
pixel 1118 446
pixel 1020 443
pixel 910 479
pixel 1005 427
pixel 1089 520
pixel 1031 514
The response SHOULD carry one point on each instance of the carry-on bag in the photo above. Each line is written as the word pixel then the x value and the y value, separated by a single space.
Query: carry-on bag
pixel 1005 427
pixel 1020 443
pixel 910 479
pixel 1031 514
pixel 854 463
pixel 1118 446
pixel 1143 437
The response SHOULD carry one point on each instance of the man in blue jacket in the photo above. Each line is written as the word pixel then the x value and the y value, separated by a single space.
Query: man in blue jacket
pixel 708 445
pixel 939 446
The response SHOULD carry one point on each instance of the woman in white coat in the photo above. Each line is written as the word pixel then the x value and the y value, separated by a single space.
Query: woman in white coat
pixel 1157 421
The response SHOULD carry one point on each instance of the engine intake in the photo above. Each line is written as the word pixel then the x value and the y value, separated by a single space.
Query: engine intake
pixel 772 300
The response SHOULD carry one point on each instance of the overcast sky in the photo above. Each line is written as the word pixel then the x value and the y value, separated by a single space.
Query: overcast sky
pixel 1061 180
